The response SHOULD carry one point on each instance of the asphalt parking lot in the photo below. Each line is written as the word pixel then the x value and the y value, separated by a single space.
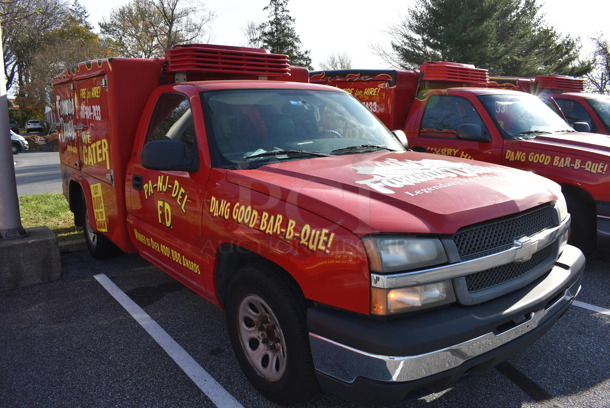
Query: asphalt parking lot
pixel 70 343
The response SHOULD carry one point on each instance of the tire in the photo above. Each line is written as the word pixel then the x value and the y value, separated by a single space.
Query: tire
pixel 15 148
pixel 266 323
pixel 98 245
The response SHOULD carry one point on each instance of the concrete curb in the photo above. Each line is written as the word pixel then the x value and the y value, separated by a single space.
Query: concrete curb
pixel 29 260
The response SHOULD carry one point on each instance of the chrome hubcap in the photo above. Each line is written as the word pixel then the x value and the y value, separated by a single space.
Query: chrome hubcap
pixel 261 338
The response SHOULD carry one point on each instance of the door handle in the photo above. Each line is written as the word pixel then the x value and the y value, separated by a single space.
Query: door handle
pixel 420 149
pixel 137 182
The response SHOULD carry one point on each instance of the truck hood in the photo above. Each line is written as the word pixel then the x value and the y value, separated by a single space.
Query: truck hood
pixel 397 192
pixel 582 144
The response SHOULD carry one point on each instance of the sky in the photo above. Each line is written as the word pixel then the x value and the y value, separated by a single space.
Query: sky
pixel 327 27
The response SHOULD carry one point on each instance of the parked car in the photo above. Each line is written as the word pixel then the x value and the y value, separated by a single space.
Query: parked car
pixel 13 125
pixel 18 143
pixel 33 125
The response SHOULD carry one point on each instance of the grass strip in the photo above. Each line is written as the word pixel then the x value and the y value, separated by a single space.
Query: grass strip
pixel 51 210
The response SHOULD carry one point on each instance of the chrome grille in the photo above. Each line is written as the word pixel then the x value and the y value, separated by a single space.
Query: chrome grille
pixel 498 235
pixel 501 274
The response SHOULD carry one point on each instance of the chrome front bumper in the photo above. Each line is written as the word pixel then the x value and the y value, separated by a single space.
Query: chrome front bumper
pixel 346 364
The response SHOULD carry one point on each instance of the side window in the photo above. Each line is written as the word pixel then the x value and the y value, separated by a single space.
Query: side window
pixel 173 120
pixel 574 112
pixel 445 114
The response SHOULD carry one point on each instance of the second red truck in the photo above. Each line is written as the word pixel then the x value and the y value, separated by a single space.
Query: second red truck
pixel 566 95
pixel 454 110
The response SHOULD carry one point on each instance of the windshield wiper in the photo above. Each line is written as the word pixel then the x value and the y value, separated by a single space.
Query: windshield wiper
pixel 287 153
pixel 533 132
pixel 364 147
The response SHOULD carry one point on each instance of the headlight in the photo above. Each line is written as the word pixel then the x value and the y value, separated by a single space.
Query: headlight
pixel 389 254
pixel 399 300
pixel 562 207
pixel 562 211
pixel 393 254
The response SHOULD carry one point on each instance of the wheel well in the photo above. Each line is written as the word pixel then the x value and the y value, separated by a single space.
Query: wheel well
pixel 76 203
pixel 584 218
pixel 577 194
pixel 231 258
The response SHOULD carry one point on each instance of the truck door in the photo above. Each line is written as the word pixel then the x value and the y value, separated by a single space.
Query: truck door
pixel 450 125
pixel 64 107
pixel 92 128
pixel 164 205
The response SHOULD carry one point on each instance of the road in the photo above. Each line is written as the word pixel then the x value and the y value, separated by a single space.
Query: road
pixel 37 172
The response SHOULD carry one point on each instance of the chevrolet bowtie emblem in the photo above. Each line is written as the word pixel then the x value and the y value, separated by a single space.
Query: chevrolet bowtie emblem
pixel 525 249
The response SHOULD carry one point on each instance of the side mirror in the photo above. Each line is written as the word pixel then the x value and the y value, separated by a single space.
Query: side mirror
pixel 402 138
pixel 472 132
pixel 581 126
pixel 167 155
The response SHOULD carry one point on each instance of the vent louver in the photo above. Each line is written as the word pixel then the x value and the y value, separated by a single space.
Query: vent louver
pixel 206 58
pixel 453 72
pixel 560 83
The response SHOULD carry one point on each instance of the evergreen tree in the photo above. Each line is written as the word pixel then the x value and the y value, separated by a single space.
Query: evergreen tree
pixel 508 37
pixel 279 36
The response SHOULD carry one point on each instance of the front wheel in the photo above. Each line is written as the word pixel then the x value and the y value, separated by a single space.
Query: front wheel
pixel 266 324
pixel 15 149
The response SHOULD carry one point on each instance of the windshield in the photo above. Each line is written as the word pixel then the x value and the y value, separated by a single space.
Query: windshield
pixel 251 127
pixel 523 115
pixel 602 107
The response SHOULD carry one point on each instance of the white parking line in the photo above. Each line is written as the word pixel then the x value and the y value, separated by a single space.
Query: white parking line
pixel 196 373
pixel 593 308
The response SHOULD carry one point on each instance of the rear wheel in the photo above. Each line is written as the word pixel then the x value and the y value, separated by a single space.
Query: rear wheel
pixel 266 324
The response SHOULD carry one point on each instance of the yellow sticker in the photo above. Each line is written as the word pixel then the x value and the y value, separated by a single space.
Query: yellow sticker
pixel 99 213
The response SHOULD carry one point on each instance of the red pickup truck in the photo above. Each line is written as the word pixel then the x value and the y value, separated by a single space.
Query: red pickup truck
pixel 340 258
pixel 567 93
pixel 454 110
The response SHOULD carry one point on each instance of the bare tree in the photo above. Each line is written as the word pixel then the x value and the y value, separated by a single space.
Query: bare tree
pixel 338 60
pixel 180 24
pixel 252 35
pixel 599 79
pixel 146 28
